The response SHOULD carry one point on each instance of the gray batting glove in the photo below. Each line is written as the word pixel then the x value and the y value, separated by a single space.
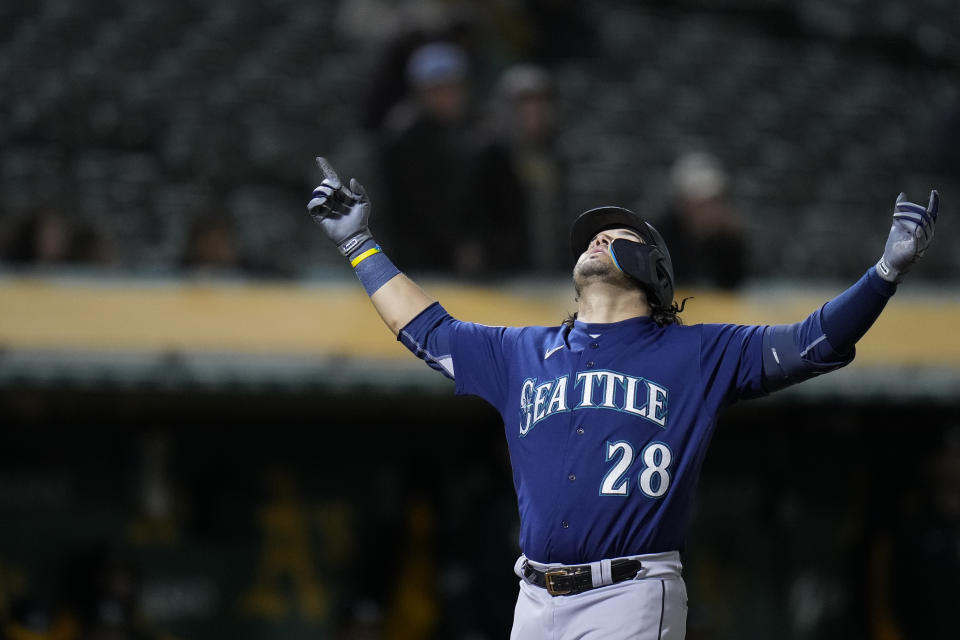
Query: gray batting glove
pixel 910 235
pixel 342 213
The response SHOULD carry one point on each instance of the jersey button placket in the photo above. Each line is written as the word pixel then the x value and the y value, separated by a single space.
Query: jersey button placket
pixel 571 476
pixel 594 346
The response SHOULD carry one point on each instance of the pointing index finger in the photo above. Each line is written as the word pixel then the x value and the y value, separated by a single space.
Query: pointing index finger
pixel 328 173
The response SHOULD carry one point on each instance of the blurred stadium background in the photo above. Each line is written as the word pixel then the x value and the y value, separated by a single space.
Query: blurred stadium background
pixel 245 453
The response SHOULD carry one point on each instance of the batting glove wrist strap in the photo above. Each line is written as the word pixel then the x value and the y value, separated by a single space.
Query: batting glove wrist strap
pixel 888 274
pixel 357 244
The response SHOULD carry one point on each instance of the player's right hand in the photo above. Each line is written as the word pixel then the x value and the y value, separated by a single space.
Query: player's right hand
pixel 910 235
pixel 343 213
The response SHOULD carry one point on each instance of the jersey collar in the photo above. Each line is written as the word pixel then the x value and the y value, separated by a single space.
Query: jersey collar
pixel 636 323
pixel 584 333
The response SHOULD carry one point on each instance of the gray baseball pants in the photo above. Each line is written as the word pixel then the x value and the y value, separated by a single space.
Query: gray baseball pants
pixel 652 606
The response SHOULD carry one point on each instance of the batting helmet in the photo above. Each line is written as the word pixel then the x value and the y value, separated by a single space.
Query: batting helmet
pixel 649 263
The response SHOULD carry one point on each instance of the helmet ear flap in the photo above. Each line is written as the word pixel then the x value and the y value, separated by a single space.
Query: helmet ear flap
pixel 663 274
pixel 646 264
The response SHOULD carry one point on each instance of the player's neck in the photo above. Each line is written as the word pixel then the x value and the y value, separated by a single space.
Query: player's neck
pixel 602 303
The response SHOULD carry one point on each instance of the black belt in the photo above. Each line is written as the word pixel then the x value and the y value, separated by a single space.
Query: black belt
pixel 566 581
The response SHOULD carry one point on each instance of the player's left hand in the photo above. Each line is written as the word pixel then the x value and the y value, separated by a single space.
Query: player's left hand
pixel 910 235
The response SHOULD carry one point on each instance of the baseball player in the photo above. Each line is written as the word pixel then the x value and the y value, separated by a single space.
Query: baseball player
pixel 608 416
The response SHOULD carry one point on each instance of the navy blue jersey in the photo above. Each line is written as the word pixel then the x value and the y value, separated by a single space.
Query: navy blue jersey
pixel 607 424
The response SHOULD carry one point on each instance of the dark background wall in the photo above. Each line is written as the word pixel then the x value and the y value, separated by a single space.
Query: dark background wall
pixel 283 515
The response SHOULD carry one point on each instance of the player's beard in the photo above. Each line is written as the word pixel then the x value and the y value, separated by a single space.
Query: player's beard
pixel 596 271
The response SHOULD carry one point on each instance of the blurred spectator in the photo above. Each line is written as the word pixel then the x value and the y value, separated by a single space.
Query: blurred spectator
pixel 388 33
pixel 423 161
pixel 45 237
pixel 700 224
pixel 518 179
pixel 212 249
pixel 89 246
pixel 491 34
pixel 42 238
pixel 210 245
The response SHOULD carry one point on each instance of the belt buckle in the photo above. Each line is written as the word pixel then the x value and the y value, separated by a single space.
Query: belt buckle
pixel 554 573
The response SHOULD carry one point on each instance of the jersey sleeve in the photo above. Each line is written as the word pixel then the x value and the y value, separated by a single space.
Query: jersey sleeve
pixel 473 355
pixel 427 336
pixel 731 362
pixel 826 339
pixel 481 356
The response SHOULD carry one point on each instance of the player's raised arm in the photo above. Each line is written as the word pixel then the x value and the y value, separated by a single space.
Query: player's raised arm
pixel 343 213
pixel 826 339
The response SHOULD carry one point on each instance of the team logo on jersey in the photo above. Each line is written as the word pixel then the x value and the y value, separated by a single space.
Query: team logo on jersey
pixel 592 390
